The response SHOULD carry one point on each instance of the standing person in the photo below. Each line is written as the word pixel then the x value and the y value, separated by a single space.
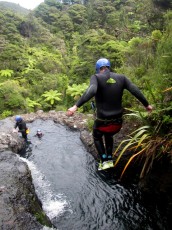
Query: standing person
pixel 21 125
pixel 107 88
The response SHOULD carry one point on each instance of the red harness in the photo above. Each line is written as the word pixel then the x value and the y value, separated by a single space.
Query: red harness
pixel 111 128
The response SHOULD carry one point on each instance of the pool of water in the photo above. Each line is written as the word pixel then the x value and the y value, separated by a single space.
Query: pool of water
pixel 74 194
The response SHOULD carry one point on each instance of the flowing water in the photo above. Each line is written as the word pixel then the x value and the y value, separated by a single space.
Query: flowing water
pixel 74 194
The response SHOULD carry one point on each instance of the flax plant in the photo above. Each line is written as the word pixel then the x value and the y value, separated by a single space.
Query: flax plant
pixel 146 143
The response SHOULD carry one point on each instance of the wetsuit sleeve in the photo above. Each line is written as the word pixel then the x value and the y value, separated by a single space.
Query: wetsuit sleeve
pixel 133 89
pixel 89 93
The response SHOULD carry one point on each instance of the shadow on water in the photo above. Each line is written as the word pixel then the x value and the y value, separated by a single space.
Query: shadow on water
pixel 74 194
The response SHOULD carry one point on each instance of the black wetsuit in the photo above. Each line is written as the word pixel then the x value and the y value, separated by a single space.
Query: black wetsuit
pixel 22 128
pixel 107 88
pixel 39 135
pixel 108 96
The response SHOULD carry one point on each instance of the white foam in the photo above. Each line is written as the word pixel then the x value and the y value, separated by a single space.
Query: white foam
pixel 53 204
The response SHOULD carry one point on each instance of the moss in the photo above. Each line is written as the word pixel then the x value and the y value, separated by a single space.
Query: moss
pixel 42 218
pixel 36 208
pixel 89 124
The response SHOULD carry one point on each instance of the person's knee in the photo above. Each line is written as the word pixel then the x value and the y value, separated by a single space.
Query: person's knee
pixel 97 137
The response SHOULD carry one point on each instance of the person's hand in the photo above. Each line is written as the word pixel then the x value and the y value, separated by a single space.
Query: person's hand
pixel 15 131
pixel 71 110
pixel 149 108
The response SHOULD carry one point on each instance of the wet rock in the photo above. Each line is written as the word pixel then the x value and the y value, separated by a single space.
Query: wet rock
pixel 10 141
pixel 19 204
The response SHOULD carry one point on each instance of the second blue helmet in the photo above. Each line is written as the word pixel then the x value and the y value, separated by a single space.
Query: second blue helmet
pixel 18 118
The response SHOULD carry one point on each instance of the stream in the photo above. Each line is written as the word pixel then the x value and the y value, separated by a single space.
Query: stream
pixel 74 194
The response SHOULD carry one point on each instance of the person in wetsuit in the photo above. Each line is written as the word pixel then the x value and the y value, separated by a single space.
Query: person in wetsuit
pixel 107 88
pixel 39 134
pixel 21 125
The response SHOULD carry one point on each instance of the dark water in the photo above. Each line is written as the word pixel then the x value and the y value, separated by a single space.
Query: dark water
pixel 74 194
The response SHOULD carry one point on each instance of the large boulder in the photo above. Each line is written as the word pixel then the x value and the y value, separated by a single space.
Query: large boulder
pixel 20 207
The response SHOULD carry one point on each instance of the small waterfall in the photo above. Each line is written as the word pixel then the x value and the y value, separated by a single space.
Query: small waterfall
pixel 53 204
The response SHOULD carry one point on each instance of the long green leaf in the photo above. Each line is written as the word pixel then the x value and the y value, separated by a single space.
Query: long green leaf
pixel 143 138
pixel 122 152
pixel 129 161
pixel 141 132
pixel 122 142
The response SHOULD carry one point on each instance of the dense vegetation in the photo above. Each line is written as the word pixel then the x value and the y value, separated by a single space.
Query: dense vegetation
pixel 48 55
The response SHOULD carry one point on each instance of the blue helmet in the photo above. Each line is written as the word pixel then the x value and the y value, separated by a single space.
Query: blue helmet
pixel 18 118
pixel 102 62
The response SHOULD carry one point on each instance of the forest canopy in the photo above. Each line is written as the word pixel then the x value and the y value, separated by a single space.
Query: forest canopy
pixel 48 51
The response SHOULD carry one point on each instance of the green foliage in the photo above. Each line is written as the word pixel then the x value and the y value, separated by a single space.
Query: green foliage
pixel 52 96
pixel 156 35
pixel 76 91
pixel 90 123
pixel 31 105
pixel 12 96
pixel 164 58
pixel 10 55
pixel 114 50
pixel 148 143
pixel 60 108
pixel 41 218
pixel 135 42
pixel 6 73
pixel 159 77
pixel 77 13
pixel 13 7
pixel 9 22
pixel 6 113
pixel 65 24
pixel 55 3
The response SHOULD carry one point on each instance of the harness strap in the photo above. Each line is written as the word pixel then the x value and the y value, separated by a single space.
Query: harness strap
pixel 108 120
